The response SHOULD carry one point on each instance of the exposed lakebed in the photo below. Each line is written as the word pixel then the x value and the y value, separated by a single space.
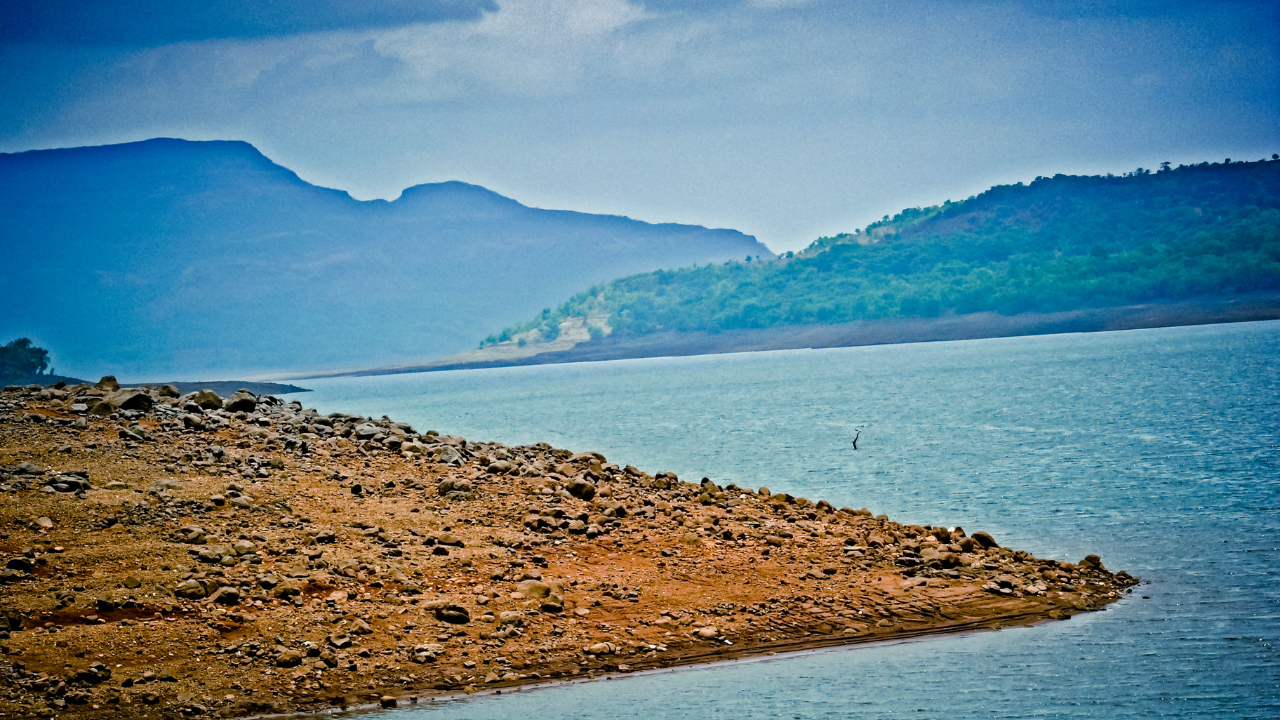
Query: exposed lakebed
pixel 1158 449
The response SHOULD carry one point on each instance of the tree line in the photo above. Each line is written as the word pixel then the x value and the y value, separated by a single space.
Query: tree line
pixel 1058 243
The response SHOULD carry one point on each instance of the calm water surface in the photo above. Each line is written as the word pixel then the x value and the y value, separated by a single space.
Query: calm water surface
pixel 1157 449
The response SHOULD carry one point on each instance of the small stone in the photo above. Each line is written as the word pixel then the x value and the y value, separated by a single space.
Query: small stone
pixel 132 582
pixel 44 523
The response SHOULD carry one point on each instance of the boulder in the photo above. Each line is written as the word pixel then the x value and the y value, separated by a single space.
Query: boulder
pixel 225 596
pixel 189 589
pixel 208 400
pixel 365 431
pixel 131 399
pixel 241 401
pixel 449 539
pixel 453 614
pixel 1092 562
pixel 985 539
pixel 289 658
pixel 581 489
pixel 108 383
pixel 534 589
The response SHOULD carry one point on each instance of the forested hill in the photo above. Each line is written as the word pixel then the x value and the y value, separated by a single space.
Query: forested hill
pixel 1059 243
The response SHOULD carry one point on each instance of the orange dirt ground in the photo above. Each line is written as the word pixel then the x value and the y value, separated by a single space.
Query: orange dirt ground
pixel 240 556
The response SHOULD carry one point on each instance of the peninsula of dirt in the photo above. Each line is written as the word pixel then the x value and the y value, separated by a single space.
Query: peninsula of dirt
pixel 191 555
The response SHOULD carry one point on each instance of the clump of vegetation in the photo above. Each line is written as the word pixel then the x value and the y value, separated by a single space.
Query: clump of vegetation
pixel 1059 243
pixel 22 362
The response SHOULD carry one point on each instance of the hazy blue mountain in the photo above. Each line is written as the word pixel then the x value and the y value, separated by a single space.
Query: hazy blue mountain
pixel 170 257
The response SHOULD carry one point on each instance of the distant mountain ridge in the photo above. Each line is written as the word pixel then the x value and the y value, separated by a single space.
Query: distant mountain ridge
pixel 170 256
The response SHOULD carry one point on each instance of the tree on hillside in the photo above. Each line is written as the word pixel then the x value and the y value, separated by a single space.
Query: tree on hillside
pixel 19 359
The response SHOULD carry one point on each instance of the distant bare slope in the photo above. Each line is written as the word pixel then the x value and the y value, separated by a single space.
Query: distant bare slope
pixel 169 257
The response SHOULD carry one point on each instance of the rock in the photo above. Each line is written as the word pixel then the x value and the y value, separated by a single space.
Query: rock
pixel 985 539
pixel 240 401
pixel 284 591
pixel 533 589
pixel 189 589
pixel 289 658
pixel 169 391
pixel 366 431
pixel 511 617
pixel 226 596
pixel 131 400
pixel 360 627
pixel 132 582
pixel 44 523
pixel 340 640
pixel 581 489
pixel 243 502
pixel 1092 562
pixel 208 400
pixel 244 547
pixel 500 467
pixel 448 539
pixel 108 382
pixel 387 701
pixel 195 422
pixel 27 468
pixel 453 614
pixel 707 632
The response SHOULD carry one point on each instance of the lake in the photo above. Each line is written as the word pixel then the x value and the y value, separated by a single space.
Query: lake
pixel 1157 449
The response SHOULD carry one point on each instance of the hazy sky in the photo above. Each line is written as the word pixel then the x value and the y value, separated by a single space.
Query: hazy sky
pixel 784 119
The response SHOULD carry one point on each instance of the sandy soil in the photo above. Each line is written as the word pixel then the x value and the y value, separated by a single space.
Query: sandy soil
pixel 260 558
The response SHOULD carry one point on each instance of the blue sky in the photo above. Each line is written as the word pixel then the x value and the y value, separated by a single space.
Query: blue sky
pixel 784 119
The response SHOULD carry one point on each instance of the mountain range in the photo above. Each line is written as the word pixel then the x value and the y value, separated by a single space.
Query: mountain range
pixel 171 257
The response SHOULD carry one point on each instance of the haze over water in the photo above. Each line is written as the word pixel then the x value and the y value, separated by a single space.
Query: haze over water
pixel 1157 449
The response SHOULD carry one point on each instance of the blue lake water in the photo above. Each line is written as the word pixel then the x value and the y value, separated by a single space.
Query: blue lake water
pixel 1157 449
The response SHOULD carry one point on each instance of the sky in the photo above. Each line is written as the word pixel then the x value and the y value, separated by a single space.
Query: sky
pixel 785 119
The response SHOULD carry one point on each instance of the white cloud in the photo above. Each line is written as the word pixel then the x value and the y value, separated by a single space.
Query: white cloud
pixel 528 47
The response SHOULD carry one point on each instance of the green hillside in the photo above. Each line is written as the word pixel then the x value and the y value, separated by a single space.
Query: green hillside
pixel 1059 243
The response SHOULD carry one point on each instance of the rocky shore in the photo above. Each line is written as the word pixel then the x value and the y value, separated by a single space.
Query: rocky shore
pixel 171 555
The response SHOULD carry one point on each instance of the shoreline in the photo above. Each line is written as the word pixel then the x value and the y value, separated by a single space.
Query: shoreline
pixel 1180 313
pixel 252 558
pixel 780 651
